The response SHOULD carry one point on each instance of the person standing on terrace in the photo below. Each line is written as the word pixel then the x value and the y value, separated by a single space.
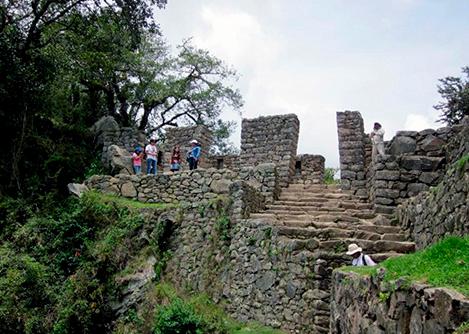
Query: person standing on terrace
pixel 151 151
pixel 377 139
pixel 194 155
pixel 176 159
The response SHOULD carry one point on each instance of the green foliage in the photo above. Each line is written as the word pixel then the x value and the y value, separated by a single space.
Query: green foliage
pixel 222 131
pixel 223 226
pixel 201 310
pixel 455 92
pixel 177 317
pixel 23 282
pixel 96 168
pixel 384 296
pixel 462 163
pixel 65 282
pixel 463 329
pixel 444 264
pixel 329 174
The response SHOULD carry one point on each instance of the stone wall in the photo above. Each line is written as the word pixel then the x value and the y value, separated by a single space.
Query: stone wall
pixel 251 269
pixel 182 136
pixel 361 304
pixel 229 161
pixel 187 186
pixel 108 133
pixel 353 148
pixel 444 209
pixel 272 139
pixel 393 179
pixel 309 169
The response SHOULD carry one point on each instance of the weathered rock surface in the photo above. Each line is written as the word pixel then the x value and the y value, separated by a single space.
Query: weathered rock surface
pixel 361 304
pixel 77 189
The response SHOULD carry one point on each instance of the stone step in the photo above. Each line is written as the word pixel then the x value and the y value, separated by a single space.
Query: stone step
pixel 339 246
pixel 369 246
pixel 313 186
pixel 379 229
pixel 316 216
pixel 284 210
pixel 327 204
pixel 328 233
pixel 312 195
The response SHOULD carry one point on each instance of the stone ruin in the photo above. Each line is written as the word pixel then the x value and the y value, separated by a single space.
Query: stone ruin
pixel 414 162
pixel 288 231
pixel 271 139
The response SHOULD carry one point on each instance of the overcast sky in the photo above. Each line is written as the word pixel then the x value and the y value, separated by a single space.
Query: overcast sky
pixel 313 58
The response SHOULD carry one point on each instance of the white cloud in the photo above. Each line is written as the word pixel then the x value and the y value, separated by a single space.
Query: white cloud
pixel 315 59
pixel 418 122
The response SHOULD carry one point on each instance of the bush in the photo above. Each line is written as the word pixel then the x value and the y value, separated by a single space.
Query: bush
pixel 176 318
pixel 24 293
pixel 329 174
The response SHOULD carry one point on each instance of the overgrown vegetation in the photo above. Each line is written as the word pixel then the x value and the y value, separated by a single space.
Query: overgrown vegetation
pixel 444 264
pixel 58 266
pixel 462 162
pixel 173 313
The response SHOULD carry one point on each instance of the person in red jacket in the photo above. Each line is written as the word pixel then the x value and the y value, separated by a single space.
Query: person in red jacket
pixel 176 159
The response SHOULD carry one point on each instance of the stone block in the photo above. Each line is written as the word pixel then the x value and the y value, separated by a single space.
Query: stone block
pixel 402 145
pixel 387 175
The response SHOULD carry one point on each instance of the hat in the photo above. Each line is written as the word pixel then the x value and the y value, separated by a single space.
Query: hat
pixel 353 248
pixel 193 141
pixel 153 140
pixel 138 149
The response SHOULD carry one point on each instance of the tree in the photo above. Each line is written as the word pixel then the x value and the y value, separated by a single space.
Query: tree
pixel 27 30
pixel 221 138
pixel 455 91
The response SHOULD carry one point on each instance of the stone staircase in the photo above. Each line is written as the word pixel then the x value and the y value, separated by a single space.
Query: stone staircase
pixel 323 217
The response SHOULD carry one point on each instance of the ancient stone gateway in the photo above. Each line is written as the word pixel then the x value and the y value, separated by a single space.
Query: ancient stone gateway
pixel 287 230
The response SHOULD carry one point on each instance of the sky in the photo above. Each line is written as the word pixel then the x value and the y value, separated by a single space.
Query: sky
pixel 314 58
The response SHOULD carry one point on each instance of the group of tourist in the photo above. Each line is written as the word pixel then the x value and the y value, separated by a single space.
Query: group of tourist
pixel 150 154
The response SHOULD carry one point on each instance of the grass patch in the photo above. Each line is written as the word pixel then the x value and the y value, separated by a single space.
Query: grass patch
pixel 130 203
pixel 445 264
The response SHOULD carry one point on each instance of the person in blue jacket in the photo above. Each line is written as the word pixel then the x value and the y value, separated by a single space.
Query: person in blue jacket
pixel 194 154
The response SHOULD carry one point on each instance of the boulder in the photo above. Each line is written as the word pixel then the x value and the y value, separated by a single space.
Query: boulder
pixel 402 145
pixel 120 160
pixel 432 143
pixel 77 189
pixel 104 124
pixel 221 186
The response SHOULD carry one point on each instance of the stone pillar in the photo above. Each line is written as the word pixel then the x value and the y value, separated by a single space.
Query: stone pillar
pixel 271 139
pixel 352 152
pixel 182 136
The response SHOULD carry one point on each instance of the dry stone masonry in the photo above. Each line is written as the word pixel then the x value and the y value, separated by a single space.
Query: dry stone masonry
pixel 261 233
pixel 363 304
pixel 182 136
pixel 309 169
pixel 444 209
pixel 271 139
pixel 352 152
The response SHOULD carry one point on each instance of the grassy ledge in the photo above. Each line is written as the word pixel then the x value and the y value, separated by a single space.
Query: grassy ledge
pixel 129 203
pixel 445 264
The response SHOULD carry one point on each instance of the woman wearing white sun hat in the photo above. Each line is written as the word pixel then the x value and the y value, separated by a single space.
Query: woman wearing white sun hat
pixel 359 259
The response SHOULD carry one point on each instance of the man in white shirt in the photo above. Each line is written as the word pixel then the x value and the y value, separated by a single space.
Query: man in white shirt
pixel 377 139
pixel 152 152
pixel 359 259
